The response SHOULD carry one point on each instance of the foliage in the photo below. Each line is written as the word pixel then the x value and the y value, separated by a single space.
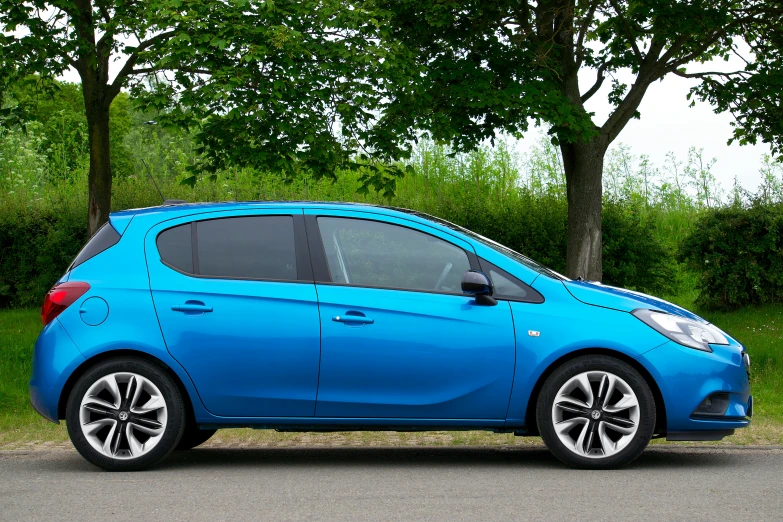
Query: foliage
pixel 23 163
pixel 496 66
pixel 634 255
pixel 738 253
pixel 753 95
pixel 297 88
pixel 57 108
pixel 286 86
pixel 37 243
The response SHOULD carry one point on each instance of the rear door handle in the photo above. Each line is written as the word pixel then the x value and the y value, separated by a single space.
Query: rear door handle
pixel 352 319
pixel 192 307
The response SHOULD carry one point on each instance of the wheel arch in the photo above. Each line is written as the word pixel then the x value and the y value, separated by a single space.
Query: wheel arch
pixel 113 354
pixel 660 406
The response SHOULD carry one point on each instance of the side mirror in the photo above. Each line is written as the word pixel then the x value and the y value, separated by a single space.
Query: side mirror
pixel 477 284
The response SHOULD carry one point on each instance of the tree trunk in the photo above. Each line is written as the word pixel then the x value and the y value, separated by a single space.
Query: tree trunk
pixel 584 164
pixel 100 179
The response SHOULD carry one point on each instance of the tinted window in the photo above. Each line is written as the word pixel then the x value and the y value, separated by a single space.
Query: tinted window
pixel 516 256
pixel 175 248
pixel 509 287
pixel 256 247
pixel 370 253
pixel 104 238
pixel 506 287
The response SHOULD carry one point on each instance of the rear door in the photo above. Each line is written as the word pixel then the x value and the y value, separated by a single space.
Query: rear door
pixel 238 309
pixel 399 338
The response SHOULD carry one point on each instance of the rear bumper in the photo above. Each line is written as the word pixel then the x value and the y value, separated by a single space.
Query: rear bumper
pixel 54 359
pixel 42 406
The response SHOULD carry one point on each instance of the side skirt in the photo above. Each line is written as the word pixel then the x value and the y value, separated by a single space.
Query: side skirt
pixel 335 425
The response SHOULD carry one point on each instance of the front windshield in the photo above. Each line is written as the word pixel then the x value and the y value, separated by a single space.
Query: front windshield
pixel 494 245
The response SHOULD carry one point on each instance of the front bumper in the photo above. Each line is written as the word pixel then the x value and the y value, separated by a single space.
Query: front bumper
pixel 54 359
pixel 686 377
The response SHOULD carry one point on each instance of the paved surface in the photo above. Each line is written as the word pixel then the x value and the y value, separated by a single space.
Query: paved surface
pixel 464 483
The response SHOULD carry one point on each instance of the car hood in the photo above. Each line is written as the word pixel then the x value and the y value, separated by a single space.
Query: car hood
pixel 597 294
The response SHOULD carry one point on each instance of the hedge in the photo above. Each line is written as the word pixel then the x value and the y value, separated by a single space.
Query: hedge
pixel 738 253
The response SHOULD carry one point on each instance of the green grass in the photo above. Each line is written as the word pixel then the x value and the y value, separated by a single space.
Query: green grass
pixel 18 421
pixel 760 329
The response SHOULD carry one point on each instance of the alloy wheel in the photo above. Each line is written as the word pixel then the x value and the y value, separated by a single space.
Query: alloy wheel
pixel 595 414
pixel 123 415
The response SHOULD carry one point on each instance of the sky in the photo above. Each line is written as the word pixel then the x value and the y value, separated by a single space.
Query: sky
pixel 667 124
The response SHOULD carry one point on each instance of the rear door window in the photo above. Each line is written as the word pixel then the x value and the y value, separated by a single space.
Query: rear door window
pixel 251 247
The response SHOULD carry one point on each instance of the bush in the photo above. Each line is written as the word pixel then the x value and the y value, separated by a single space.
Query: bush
pixel 738 253
pixel 36 246
pixel 633 256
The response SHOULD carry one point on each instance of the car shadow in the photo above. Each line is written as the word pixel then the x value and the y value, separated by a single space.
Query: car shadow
pixel 528 457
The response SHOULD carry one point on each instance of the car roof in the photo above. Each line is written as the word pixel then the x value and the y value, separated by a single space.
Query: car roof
pixel 170 210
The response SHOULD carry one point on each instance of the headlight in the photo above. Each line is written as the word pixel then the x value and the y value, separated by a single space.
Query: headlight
pixel 686 332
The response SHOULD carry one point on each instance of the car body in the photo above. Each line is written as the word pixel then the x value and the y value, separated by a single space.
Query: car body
pixel 345 316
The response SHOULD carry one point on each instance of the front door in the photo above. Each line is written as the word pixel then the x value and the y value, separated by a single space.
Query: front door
pixel 398 338
pixel 237 311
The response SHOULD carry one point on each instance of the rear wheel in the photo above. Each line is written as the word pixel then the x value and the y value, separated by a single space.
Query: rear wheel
pixel 125 414
pixel 596 412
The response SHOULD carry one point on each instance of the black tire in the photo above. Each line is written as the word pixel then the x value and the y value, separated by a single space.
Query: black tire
pixel 175 411
pixel 193 436
pixel 590 363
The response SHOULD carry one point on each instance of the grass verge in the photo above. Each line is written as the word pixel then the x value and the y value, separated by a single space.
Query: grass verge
pixel 761 329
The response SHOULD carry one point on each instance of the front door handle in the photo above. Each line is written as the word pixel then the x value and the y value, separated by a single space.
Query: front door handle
pixel 350 318
pixel 192 307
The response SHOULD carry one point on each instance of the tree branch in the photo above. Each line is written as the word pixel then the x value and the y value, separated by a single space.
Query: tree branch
pixel 628 31
pixel 147 70
pixel 116 85
pixel 707 74
pixel 648 73
pixel 597 85
pixel 583 31
pixel 104 12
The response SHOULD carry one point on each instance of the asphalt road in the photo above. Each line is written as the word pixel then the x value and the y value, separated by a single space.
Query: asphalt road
pixel 464 483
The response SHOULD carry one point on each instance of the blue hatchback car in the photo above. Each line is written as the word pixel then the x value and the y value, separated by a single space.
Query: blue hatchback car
pixel 178 320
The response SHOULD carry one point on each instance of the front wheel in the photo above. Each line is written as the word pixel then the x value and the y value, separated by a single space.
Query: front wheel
pixel 596 412
pixel 125 414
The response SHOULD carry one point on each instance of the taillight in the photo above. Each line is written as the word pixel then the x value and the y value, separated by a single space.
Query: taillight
pixel 59 298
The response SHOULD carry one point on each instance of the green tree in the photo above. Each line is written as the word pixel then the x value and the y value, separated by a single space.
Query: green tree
pixel 500 64
pixel 277 76
pixel 299 88
pixel 47 38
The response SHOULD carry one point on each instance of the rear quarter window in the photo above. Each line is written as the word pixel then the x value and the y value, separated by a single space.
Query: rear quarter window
pixel 176 249
pixel 105 238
